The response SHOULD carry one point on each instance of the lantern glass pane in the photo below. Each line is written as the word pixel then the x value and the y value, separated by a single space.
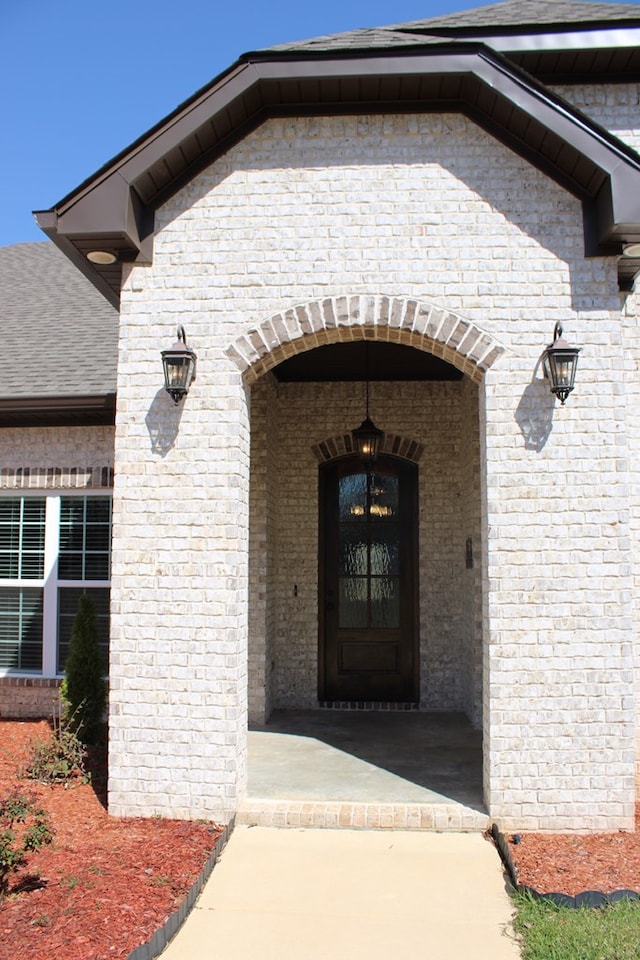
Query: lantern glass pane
pixel 176 371
pixel 563 369
pixel 367 447
pixel 563 372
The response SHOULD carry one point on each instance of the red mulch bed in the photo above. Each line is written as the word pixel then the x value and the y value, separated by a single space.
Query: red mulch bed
pixel 106 884
pixel 571 863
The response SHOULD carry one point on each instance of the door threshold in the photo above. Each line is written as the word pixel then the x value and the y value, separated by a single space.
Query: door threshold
pixel 368 705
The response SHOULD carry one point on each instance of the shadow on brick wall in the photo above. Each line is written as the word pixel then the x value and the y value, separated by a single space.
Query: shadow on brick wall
pixel 163 422
pixel 534 414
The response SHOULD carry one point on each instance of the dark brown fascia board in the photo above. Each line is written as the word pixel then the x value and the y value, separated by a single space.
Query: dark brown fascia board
pixel 96 409
pixel 591 32
pixel 110 204
pixel 615 210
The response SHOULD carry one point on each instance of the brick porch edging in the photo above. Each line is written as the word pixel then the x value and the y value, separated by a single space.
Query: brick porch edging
pixel 337 814
pixel 154 947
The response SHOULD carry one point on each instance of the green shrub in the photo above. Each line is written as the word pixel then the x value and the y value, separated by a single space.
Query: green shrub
pixel 24 828
pixel 84 688
pixel 60 759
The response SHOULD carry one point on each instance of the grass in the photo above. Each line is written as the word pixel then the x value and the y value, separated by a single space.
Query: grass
pixel 559 933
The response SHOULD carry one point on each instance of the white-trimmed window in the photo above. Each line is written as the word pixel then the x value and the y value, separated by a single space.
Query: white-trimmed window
pixel 53 548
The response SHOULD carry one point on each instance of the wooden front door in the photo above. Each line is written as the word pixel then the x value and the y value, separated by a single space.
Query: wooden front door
pixel 368 611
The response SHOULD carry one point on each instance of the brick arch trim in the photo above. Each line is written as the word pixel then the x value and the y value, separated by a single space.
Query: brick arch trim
pixel 392 444
pixel 415 323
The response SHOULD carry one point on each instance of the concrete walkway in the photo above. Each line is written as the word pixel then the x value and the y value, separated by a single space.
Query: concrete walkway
pixel 301 894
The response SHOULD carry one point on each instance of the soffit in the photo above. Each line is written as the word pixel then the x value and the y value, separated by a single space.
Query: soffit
pixel 58 411
pixel 362 360
pixel 115 208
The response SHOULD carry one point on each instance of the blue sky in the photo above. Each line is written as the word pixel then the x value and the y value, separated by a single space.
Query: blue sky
pixel 80 79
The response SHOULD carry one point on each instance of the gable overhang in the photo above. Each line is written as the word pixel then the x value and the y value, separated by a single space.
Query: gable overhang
pixel 58 411
pixel 115 209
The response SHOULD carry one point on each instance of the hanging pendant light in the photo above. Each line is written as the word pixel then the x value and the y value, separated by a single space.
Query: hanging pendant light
pixel 367 437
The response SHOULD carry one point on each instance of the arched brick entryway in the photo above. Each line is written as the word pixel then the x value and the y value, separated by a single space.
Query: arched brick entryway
pixel 295 428
pixel 404 320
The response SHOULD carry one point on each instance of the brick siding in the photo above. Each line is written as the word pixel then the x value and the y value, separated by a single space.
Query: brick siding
pixel 423 208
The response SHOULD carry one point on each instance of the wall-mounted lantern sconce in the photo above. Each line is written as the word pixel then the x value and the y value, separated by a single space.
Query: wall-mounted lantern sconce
pixel 367 437
pixel 560 362
pixel 179 364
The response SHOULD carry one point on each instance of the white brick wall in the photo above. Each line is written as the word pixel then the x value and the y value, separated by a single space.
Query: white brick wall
pixel 429 208
pixel 629 366
pixel 48 458
pixel 614 107
pixel 263 547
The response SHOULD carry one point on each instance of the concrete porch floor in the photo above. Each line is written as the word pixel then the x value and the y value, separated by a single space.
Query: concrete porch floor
pixel 368 769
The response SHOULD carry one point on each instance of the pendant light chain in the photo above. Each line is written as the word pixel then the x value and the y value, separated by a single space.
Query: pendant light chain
pixel 366 377
pixel 367 438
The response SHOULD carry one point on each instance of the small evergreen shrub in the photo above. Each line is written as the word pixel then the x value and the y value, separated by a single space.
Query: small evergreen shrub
pixel 84 689
pixel 24 828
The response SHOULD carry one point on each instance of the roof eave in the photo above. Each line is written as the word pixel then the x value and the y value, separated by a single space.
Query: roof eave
pixel 58 410
pixel 589 32
pixel 118 205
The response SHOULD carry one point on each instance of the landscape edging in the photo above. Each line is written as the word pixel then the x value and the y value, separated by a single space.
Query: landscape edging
pixel 154 947
pixel 588 898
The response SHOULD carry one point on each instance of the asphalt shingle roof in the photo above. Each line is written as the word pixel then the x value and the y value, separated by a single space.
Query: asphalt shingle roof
pixel 369 38
pixel 61 328
pixel 534 13
pixel 508 14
